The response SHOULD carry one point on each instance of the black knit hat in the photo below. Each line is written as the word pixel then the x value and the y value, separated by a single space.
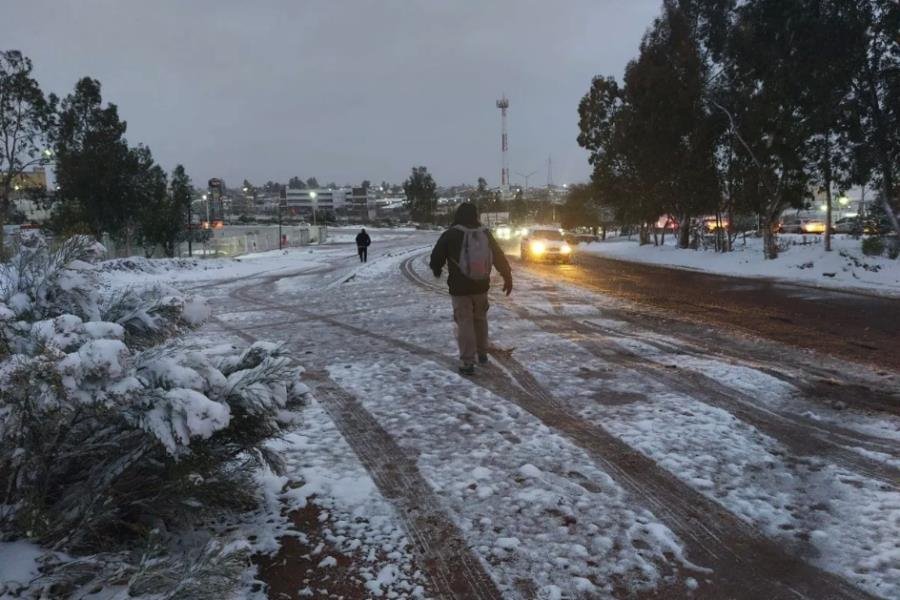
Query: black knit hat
pixel 466 215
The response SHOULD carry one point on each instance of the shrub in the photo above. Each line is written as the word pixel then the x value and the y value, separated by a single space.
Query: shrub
pixel 873 246
pixel 112 431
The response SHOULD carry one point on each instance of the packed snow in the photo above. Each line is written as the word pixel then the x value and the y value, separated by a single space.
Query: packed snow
pixel 803 259
pixel 514 487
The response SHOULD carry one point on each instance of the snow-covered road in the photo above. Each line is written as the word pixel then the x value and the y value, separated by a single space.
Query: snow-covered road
pixel 598 455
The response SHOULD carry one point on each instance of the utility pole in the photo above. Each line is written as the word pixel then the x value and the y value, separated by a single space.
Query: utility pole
pixel 190 226
pixel 282 197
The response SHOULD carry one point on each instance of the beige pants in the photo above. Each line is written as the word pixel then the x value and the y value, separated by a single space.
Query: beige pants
pixel 470 315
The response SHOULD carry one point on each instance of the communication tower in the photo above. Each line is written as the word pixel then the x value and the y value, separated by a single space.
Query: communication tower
pixel 503 104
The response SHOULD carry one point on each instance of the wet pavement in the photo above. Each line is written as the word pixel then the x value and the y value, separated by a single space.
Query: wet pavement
pixel 857 326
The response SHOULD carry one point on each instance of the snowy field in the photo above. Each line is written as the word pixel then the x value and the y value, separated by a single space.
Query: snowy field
pixel 803 259
pixel 590 459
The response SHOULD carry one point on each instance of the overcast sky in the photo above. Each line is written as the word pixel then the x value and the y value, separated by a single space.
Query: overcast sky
pixel 343 90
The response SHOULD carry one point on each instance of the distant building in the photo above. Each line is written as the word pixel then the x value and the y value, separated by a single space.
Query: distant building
pixel 392 207
pixel 268 202
pixel 243 204
pixel 29 195
pixel 35 179
pixel 305 201
pixel 361 204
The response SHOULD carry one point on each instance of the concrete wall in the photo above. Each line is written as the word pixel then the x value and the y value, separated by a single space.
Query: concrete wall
pixel 235 240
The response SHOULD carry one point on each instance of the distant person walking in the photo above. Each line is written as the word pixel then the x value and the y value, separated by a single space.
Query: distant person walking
pixel 362 245
pixel 469 250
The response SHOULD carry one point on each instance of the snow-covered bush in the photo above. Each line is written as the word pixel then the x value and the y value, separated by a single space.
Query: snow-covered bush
pixel 112 431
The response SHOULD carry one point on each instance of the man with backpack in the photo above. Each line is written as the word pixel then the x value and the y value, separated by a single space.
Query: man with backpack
pixel 362 245
pixel 469 250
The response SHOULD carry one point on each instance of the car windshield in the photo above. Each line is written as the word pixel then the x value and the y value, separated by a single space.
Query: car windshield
pixel 547 234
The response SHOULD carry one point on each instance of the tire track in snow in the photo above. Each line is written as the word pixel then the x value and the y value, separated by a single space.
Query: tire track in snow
pixel 828 384
pixel 440 548
pixel 799 434
pixel 746 563
pixel 833 384
pixel 454 570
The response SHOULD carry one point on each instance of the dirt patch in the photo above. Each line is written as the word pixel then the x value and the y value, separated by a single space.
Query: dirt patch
pixel 840 395
pixel 295 567
pixel 588 374
pixel 617 398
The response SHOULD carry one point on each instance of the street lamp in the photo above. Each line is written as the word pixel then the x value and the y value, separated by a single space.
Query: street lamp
pixel 314 205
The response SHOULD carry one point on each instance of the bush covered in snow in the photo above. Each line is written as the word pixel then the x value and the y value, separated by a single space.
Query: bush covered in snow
pixel 115 434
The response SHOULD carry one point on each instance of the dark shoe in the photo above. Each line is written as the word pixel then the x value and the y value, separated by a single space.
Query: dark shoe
pixel 467 369
pixel 482 359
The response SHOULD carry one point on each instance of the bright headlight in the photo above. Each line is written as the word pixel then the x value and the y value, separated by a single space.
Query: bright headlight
pixel 538 247
pixel 565 249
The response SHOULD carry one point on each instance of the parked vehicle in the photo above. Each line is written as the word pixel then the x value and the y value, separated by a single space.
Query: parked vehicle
pixel 801 225
pixel 851 225
pixel 711 224
pixel 545 244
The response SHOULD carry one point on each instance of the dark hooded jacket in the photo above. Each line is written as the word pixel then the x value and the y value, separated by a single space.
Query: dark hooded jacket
pixel 448 249
pixel 362 239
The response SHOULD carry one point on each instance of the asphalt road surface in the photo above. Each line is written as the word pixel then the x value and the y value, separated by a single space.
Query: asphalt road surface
pixel 856 326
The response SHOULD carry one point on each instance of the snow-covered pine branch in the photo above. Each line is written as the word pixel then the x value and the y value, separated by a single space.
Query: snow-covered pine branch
pixel 113 430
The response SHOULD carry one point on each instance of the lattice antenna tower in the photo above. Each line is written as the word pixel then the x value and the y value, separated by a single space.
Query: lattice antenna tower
pixel 503 104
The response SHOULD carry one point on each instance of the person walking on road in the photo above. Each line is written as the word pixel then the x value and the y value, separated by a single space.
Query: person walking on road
pixel 362 245
pixel 469 251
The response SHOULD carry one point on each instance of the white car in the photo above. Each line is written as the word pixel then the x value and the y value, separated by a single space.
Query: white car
pixel 545 244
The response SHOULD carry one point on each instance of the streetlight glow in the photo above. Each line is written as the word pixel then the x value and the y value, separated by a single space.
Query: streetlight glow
pixel 844 200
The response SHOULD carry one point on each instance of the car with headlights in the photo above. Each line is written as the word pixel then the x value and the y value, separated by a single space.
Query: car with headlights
pixel 802 225
pixel 503 232
pixel 542 244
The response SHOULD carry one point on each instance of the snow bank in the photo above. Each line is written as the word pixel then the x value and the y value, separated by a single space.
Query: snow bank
pixel 802 260
pixel 18 563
